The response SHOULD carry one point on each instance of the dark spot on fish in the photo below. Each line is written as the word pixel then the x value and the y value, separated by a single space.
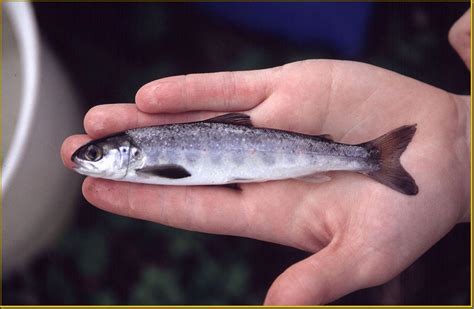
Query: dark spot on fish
pixel 291 158
pixel 192 156
pixel 268 158
pixel 171 156
pixel 238 157
pixel 172 171
pixel 216 158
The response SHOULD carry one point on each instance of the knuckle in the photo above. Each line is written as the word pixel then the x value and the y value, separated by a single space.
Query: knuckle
pixel 185 91
pixel 229 89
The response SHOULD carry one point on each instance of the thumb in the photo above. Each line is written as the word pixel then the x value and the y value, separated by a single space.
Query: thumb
pixel 318 279
pixel 460 37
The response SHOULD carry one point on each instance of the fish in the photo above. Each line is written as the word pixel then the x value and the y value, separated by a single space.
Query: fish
pixel 229 149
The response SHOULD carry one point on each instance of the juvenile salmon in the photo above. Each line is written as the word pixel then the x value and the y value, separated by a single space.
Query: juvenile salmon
pixel 228 149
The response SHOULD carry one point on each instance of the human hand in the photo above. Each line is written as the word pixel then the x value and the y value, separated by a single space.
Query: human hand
pixel 361 232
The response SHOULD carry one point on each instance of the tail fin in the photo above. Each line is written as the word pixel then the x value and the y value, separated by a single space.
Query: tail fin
pixel 388 149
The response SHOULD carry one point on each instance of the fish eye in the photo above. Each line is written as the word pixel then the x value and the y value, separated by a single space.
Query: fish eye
pixel 93 153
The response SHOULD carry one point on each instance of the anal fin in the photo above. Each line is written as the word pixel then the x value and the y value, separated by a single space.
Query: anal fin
pixel 315 178
pixel 233 186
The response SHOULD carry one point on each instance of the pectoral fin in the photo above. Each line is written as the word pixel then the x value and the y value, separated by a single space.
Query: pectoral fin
pixel 172 171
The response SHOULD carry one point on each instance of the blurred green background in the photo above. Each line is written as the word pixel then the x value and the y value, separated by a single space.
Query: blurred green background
pixel 111 49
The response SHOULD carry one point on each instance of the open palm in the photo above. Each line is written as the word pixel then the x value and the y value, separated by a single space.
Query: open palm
pixel 362 232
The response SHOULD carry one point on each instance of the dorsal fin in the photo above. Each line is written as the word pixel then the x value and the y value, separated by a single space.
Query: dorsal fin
pixel 325 137
pixel 232 118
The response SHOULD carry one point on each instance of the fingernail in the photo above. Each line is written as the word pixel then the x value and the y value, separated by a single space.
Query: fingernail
pixel 157 87
pixel 157 93
pixel 160 87
pixel 162 94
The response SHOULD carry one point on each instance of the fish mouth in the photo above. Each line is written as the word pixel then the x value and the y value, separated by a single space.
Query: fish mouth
pixel 75 154
pixel 84 167
pixel 75 161
pixel 87 172
pixel 82 170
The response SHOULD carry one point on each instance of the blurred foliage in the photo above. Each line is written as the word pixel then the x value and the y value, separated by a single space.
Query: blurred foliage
pixel 110 50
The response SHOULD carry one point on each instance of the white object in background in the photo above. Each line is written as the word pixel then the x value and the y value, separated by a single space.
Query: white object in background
pixel 39 110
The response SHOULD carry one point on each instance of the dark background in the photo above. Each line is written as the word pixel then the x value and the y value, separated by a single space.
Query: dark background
pixel 110 50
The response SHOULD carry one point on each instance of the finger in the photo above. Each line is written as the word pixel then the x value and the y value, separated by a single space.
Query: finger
pixel 211 209
pixel 223 91
pixel 319 279
pixel 102 120
pixel 70 145
pixel 459 37
pixel 205 209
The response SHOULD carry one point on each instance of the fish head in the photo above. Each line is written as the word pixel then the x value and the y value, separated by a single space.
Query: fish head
pixel 105 158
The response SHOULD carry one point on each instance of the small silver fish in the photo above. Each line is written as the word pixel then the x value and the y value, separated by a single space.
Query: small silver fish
pixel 228 149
